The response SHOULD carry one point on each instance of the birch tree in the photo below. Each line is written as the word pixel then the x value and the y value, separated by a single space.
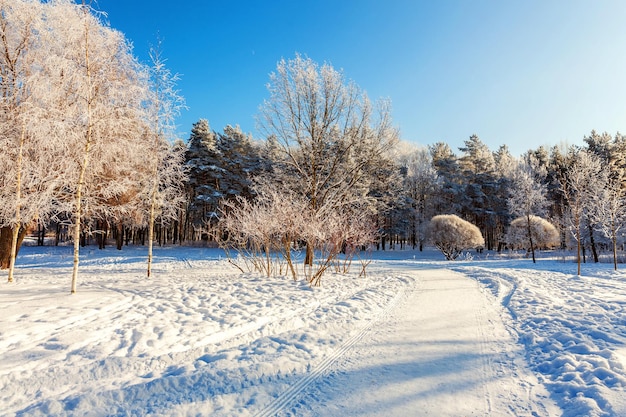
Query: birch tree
pixel 32 159
pixel 166 173
pixel 584 176
pixel 528 198
pixel 610 212
pixel 103 106
pixel 19 22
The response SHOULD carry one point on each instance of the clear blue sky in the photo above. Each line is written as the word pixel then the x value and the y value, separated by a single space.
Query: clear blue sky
pixel 522 73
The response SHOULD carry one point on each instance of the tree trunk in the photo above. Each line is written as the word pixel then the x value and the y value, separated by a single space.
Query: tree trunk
pixel 530 237
pixel 614 239
pixel 578 245
pixel 78 209
pixel 308 259
pixel 6 240
pixel 592 242
pixel 151 230
pixel 18 205
pixel 119 238
pixel 41 235
pixel 57 234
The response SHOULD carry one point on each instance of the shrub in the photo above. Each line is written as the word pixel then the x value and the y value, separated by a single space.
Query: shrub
pixel 452 235
pixel 544 234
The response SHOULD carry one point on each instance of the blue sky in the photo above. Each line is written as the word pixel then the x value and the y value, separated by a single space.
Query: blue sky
pixel 521 73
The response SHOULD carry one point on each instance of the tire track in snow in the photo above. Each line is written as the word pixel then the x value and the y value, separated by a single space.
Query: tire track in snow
pixel 287 397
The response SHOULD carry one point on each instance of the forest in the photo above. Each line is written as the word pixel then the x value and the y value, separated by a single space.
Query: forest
pixel 90 155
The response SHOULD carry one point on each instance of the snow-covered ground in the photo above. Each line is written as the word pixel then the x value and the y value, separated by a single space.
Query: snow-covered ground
pixel 415 336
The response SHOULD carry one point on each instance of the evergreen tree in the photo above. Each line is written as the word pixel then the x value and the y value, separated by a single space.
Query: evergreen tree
pixel 205 173
pixel 239 162
pixel 446 166
pixel 479 196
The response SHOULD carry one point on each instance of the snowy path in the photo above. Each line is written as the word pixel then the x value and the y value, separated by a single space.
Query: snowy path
pixel 443 352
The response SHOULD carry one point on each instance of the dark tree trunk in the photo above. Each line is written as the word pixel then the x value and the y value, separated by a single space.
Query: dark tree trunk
pixel 530 237
pixel 101 234
pixel 592 242
pixel 57 235
pixel 41 235
pixel 119 237
pixel 6 239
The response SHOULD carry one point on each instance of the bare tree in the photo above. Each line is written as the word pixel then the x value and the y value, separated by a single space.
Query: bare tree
pixel 583 178
pixel 166 172
pixel 102 106
pixel 268 229
pixel 452 235
pixel 610 211
pixel 421 185
pixel 327 133
pixel 31 158
pixel 19 22
pixel 528 197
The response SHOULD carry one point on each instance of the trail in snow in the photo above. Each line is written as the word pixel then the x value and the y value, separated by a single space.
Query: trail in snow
pixel 444 352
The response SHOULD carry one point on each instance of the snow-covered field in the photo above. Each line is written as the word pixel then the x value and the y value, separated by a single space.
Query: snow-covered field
pixel 200 338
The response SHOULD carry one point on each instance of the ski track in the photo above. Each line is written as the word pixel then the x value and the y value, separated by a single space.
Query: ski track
pixel 283 402
pixel 494 380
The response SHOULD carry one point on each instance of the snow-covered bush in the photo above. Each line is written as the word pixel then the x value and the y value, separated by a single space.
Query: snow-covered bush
pixel 532 231
pixel 452 235
pixel 264 233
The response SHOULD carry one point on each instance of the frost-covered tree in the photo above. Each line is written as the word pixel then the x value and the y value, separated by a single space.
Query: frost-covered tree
pixel 505 165
pixel 205 173
pixel 452 235
pixel 32 109
pixel 166 168
pixel 328 133
pixel 610 211
pixel 529 232
pixel 421 186
pixel 104 106
pixel 446 165
pixel 479 199
pixel 19 23
pixel 239 161
pixel 584 177
pixel 267 229
pixel 73 120
pixel 528 198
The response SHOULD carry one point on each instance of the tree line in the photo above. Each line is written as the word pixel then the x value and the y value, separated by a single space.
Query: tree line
pixel 88 142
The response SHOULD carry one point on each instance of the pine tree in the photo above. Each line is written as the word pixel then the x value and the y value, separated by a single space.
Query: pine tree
pixel 446 165
pixel 205 173
pixel 478 199
pixel 239 162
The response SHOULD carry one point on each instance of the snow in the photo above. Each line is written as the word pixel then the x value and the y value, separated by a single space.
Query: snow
pixel 491 335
